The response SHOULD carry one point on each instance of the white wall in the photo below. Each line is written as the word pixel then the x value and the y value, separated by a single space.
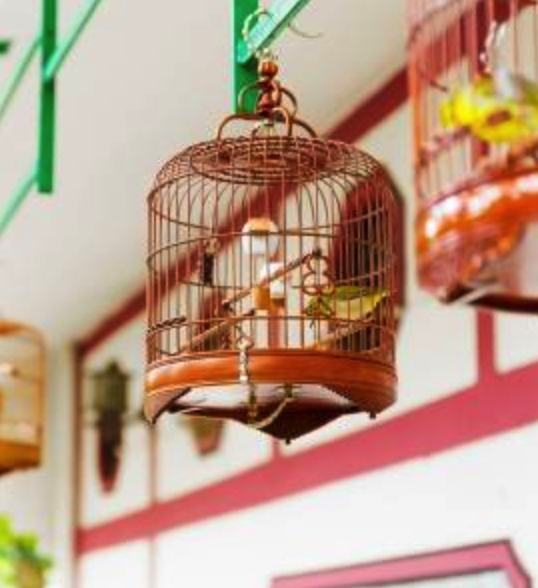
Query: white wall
pixel 481 492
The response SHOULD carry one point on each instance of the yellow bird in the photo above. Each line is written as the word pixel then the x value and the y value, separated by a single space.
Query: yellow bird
pixel 501 107
pixel 345 303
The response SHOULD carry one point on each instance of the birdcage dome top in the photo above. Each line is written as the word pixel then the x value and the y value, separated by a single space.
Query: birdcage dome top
pixel 262 160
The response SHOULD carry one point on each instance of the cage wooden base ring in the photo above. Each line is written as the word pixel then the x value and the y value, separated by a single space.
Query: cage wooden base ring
pixel 476 242
pixel 328 386
pixel 18 456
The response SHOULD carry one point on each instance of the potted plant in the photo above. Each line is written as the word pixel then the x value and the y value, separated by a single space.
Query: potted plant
pixel 21 563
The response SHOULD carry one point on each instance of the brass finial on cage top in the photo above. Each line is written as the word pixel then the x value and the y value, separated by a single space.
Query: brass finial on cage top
pixel 271 276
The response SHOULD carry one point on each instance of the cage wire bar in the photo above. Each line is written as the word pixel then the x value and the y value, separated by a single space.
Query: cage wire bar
pixel 53 56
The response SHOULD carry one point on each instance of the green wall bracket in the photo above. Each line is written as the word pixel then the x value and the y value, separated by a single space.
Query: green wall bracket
pixel 269 27
pixel 19 73
pixel 47 114
pixel 245 73
pixel 53 56
pixel 54 53
pixel 5 46
pixel 11 207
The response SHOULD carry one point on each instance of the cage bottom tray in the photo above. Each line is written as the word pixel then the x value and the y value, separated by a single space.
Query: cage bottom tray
pixel 15 456
pixel 479 242
pixel 324 387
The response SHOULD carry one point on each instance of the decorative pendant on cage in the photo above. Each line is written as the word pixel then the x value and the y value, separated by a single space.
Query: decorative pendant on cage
pixel 206 433
pixel 474 87
pixel 289 324
pixel 110 412
pixel 22 390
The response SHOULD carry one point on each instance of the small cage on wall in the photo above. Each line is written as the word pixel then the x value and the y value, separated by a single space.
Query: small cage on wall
pixel 474 83
pixel 271 280
pixel 22 381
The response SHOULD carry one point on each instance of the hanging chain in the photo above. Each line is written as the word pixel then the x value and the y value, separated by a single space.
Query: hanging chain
pixel 289 397
pixel 244 344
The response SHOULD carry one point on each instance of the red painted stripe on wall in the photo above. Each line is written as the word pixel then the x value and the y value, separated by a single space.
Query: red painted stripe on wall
pixel 495 406
pixel 455 562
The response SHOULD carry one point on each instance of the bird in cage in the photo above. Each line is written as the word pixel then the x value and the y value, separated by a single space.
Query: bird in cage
pixel 208 256
pixel 356 303
pixel 500 105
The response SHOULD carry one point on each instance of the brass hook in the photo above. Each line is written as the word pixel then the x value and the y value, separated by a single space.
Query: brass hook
pixel 268 53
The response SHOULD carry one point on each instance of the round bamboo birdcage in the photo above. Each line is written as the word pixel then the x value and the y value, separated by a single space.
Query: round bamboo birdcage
pixel 271 276
pixel 473 68
pixel 22 388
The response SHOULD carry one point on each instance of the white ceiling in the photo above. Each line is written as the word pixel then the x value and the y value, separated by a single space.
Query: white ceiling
pixel 147 79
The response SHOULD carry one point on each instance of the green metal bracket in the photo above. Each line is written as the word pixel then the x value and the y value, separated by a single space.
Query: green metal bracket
pixel 53 56
pixel 19 196
pixel 52 59
pixel 5 46
pixel 57 59
pixel 19 73
pixel 269 27
pixel 244 74
pixel 47 114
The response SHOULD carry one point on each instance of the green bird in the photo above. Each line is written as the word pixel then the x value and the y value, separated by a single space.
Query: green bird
pixel 345 303
pixel 498 107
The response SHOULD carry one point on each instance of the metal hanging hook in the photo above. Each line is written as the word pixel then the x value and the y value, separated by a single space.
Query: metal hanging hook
pixel 268 53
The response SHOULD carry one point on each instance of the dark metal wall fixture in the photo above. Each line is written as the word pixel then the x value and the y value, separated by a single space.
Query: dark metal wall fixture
pixel 22 395
pixel 110 410
pixel 302 326
pixel 474 85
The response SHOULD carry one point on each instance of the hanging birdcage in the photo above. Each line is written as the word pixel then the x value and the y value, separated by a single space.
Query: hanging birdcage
pixel 271 276
pixel 474 84
pixel 22 385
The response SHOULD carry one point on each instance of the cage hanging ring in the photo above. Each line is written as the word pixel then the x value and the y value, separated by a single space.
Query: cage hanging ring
pixel 233 117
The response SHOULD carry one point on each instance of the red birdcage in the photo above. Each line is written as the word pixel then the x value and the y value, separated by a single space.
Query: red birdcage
pixel 473 68
pixel 22 387
pixel 271 276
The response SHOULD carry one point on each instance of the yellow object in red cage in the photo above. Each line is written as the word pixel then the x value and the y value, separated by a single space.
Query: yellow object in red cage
pixel 22 386
pixel 271 290
pixel 473 69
